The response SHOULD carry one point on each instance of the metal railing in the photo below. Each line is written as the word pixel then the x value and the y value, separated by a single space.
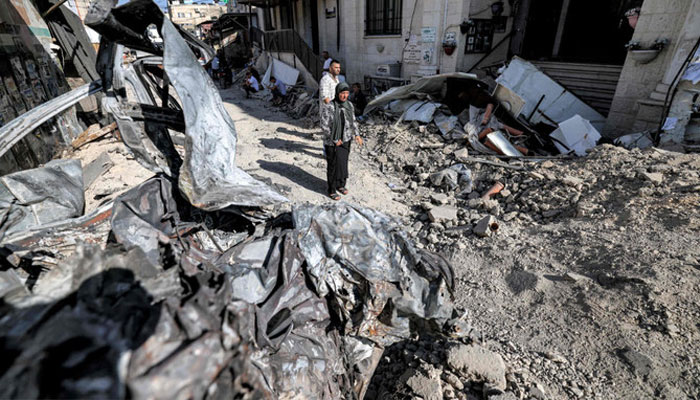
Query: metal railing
pixel 287 40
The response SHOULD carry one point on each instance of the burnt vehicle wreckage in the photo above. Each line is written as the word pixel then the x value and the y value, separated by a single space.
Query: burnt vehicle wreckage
pixel 189 285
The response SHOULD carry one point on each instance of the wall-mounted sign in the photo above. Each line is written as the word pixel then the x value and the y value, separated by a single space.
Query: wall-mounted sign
pixel 428 34
pixel 412 54
pixel 330 13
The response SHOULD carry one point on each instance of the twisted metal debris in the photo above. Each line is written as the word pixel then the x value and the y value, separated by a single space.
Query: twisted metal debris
pixel 171 291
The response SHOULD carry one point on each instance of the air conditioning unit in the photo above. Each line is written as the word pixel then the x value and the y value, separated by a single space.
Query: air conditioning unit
pixel 389 70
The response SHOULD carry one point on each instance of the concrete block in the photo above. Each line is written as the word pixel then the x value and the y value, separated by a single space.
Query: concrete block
pixel 443 214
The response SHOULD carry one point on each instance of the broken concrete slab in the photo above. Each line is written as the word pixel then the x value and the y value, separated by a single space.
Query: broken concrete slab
pixel 477 363
pixel 439 198
pixel 575 134
pixel 442 214
pixel 423 385
pixel 640 363
pixel 654 177
pixel 486 226
pixel 572 181
pixel 462 155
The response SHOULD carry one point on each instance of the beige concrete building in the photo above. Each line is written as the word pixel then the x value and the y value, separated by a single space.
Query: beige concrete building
pixel 190 15
pixel 643 87
pixel 582 45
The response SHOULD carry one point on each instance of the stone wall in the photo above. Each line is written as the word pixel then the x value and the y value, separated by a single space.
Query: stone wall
pixel 640 92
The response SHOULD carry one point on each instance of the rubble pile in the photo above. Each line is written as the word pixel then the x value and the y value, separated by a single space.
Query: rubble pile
pixel 300 105
pixel 531 191
pixel 189 285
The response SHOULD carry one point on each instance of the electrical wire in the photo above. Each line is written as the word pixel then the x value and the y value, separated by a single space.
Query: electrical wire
pixel 673 87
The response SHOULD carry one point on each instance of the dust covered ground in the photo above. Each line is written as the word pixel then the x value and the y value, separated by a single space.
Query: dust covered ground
pixel 586 283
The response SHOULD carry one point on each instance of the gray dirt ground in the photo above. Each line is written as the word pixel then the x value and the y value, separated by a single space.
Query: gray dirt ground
pixel 590 288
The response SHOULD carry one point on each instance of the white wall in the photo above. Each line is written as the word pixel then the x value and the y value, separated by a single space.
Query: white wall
pixel 361 54
pixel 632 109
pixel 482 9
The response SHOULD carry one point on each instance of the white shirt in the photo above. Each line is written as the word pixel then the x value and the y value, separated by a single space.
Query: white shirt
pixel 327 64
pixel 281 87
pixel 327 86
pixel 254 83
pixel 215 63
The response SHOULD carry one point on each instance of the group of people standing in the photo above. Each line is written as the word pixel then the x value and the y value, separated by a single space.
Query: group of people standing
pixel 338 124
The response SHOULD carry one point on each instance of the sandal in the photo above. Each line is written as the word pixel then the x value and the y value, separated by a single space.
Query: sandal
pixel 343 191
pixel 334 196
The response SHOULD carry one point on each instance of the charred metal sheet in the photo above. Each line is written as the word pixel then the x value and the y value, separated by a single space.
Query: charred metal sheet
pixel 149 140
pixel 63 236
pixel 26 123
pixel 209 177
pixel 345 245
pixel 41 195
pixel 126 25
pixel 252 321
pixel 70 34
pixel 428 85
pixel 173 119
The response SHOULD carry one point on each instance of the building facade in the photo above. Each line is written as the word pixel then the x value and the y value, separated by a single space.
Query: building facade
pixel 188 16
pixel 588 47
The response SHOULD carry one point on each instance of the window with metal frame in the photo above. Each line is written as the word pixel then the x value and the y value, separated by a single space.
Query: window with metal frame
pixel 383 17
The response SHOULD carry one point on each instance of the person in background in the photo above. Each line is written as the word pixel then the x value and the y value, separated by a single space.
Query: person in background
pixel 328 83
pixel 226 73
pixel 278 89
pixel 326 61
pixel 339 128
pixel 358 99
pixel 214 71
pixel 254 72
pixel 250 85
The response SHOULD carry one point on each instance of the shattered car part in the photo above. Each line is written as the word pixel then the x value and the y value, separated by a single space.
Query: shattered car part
pixel 380 254
pixel 42 195
pixel 209 177
pixel 26 123
pixel 190 297
pixel 304 311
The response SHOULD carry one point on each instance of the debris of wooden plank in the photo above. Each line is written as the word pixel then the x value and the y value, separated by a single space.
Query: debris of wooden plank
pixel 92 133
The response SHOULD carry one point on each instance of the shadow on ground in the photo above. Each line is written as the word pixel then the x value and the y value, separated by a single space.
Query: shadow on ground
pixel 296 175
pixel 301 135
pixel 257 108
pixel 288 145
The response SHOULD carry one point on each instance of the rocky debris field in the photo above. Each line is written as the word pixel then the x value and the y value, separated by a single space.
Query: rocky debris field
pixel 580 278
